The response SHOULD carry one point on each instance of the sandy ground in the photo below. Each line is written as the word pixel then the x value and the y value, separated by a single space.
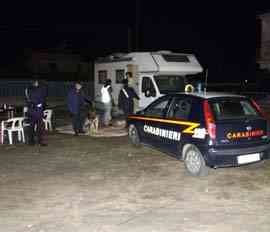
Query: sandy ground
pixel 84 184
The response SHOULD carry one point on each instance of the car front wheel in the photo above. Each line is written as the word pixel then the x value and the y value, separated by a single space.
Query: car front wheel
pixel 194 162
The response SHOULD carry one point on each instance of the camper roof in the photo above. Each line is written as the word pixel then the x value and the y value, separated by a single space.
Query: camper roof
pixel 163 62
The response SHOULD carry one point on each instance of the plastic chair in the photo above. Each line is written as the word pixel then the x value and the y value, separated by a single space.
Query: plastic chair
pixel 25 110
pixel 48 119
pixel 13 125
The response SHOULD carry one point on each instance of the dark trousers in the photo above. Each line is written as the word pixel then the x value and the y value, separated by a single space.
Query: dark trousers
pixel 77 122
pixel 37 128
pixel 128 110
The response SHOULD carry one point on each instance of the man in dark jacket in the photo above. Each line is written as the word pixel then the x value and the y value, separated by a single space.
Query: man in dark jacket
pixel 76 102
pixel 36 100
pixel 125 99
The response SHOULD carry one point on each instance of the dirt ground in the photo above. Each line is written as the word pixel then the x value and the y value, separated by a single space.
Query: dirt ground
pixel 84 184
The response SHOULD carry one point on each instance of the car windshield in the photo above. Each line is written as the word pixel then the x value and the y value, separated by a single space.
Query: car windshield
pixel 233 109
pixel 169 83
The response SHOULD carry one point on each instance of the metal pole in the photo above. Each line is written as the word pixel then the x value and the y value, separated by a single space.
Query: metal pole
pixel 129 39
pixel 206 80
pixel 137 23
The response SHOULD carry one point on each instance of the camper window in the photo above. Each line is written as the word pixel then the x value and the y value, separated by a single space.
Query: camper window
pixel 120 75
pixel 102 76
pixel 176 58
pixel 148 87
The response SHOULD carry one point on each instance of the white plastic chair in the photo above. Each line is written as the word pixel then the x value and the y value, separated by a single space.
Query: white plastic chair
pixel 48 119
pixel 25 110
pixel 13 125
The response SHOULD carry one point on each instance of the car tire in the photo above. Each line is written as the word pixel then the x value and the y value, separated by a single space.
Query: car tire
pixel 194 162
pixel 133 135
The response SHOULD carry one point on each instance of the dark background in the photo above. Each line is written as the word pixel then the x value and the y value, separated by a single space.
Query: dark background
pixel 222 35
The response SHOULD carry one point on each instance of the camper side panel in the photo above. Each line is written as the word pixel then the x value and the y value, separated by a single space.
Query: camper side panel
pixel 114 71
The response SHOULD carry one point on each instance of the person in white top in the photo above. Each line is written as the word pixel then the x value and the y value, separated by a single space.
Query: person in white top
pixel 106 99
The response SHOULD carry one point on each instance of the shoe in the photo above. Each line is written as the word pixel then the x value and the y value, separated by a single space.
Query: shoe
pixel 43 144
pixel 81 132
pixel 31 143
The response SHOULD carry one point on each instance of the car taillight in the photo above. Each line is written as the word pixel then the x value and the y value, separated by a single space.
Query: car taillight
pixel 268 129
pixel 209 119
pixel 258 108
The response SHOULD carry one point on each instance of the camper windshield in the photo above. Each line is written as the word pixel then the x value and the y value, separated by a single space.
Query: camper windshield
pixel 169 83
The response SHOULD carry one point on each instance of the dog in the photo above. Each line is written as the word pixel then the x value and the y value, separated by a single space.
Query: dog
pixel 92 123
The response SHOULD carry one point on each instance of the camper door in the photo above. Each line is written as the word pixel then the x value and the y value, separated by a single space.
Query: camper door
pixel 148 91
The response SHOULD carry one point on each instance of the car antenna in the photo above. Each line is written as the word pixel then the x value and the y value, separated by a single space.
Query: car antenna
pixel 205 84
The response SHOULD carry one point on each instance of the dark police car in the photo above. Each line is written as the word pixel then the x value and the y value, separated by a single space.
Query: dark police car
pixel 203 129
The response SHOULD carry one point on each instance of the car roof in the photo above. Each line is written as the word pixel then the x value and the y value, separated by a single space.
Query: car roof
pixel 209 95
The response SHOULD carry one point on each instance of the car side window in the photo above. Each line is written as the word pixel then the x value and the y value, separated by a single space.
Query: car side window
pixel 180 109
pixel 159 109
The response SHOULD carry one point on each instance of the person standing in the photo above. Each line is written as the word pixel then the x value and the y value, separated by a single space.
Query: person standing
pixel 76 103
pixel 106 99
pixel 126 99
pixel 36 100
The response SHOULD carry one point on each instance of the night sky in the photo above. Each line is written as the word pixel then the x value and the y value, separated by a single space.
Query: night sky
pixel 222 35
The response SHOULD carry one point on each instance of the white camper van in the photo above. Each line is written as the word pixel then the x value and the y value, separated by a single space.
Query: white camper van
pixel 153 73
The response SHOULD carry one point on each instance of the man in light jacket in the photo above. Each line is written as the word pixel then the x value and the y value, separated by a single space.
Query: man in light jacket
pixel 106 99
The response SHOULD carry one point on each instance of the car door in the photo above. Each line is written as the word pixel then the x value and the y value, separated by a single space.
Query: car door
pixel 153 120
pixel 177 117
